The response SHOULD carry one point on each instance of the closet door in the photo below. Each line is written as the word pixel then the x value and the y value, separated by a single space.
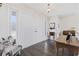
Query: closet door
pixel 39 29
pixel 31 28
pixel 26 29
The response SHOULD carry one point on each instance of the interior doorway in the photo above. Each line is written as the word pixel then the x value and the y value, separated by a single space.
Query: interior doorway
pixel 13 22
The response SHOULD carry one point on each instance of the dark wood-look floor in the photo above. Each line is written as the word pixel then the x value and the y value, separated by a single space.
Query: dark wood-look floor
pixel 45 48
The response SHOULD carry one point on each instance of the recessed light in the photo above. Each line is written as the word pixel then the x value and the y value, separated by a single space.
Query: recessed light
pixel 49 9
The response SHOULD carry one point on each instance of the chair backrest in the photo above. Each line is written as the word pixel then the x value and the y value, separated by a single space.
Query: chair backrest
pixel 9 53
pixel 3 38
pixel 17 50
pixel 2 51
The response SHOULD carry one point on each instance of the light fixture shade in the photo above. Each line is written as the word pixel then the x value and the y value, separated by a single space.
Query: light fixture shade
pixel 48 4
pixel 0 4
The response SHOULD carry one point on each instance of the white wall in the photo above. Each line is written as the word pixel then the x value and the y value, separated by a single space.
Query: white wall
pixel 70 23
pixel 4 21
pixel 67 23
pixel 30 25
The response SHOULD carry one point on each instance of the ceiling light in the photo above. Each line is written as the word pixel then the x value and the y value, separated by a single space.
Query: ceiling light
pixel 0 4
pixel 48 10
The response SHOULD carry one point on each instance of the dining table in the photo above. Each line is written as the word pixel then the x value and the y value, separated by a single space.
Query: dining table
pixel 72 45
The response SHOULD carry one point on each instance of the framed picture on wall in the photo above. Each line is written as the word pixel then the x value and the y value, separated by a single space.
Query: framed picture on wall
pixel 52 25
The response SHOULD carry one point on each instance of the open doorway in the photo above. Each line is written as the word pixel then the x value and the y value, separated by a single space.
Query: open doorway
pixel 13 24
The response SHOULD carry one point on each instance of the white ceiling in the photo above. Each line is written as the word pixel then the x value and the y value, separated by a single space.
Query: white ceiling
pixel 60 9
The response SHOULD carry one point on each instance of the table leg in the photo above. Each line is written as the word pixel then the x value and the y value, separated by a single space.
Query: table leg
pixel 57 51
pixel 76 52
pixel 62 51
